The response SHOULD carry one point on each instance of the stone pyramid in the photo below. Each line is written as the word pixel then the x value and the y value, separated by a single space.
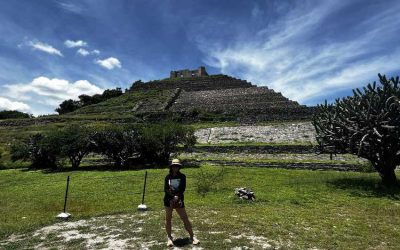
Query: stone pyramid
pixel 219 97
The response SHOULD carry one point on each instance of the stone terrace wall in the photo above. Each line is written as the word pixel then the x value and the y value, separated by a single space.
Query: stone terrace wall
pixel 254 103
pixel 230 99
pixel 286 133
pixel 195 84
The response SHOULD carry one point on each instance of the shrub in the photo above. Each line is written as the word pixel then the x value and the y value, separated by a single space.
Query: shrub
pixel 41 150
pixel 74 143
pixel 116 142
pixel 159 141
pixel 206 181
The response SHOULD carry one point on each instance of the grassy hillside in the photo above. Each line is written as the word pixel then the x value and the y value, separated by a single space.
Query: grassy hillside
pixel 121 107
pixel 294 209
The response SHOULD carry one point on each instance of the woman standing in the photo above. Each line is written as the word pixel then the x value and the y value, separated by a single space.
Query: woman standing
pixel 174 187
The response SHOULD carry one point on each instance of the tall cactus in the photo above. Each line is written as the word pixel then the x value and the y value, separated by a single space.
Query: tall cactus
pixel 366 124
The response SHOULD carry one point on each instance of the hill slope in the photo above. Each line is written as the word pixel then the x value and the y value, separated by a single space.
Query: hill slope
pixel 216 97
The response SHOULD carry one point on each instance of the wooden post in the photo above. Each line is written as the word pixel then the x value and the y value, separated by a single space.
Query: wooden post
pixel 144 187
pixel 142 206
pixel 65 215
pixel 66 194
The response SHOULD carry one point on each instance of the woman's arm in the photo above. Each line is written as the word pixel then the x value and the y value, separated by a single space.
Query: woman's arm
pixel 182 185
pixel 166 185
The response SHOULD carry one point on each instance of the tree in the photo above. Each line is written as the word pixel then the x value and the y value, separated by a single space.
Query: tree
pixel 110 93
pixel 68 106
pixel 159 141
pixel 138 82
pixel 85 100
pixel 41 150
pixel 97 98
pixel 116 142
pixel 366 124
pixel 74 143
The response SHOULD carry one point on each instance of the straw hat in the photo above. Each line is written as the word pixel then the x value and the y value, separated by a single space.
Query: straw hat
pixel 176 162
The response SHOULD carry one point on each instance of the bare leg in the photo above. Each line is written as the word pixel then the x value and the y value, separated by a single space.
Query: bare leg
pixel 185 219
pixel 168 218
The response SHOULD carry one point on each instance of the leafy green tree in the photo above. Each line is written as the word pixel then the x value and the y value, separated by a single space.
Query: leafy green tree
pixel 68 106
pixel 138 82
pixel 116 142
pixel 97 98
pixel 110 93
pixel 41 150
pixel 366 124
pixel 74 143
pixel 85 100
pixel 159 141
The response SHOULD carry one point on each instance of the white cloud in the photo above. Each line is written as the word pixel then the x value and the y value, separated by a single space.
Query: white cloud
pixel 83 52
pixel 50 92
pixel 109 63
pixel 74 44
pixel 6 104
pixel 283 57
pixel 45 48
pixel 71 7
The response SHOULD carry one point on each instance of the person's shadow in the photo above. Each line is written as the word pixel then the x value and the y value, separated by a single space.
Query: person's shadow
pixel 181 242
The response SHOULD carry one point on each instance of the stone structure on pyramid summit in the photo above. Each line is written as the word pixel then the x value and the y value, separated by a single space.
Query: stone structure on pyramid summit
pixel 186 73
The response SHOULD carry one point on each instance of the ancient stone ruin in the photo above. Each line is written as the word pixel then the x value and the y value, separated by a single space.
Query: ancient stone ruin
pixel 185 73
pixel 195 95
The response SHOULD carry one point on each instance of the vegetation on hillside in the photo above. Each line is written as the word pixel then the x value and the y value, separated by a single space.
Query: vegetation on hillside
pixel 121 107
pixel 134 83
pixel 13 114
pixel 70 105
pixel 366 124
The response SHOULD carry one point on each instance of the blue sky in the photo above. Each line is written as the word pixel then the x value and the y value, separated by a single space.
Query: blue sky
pixel 53 50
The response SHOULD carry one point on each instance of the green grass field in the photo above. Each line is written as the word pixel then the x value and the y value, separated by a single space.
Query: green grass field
pixel 295 209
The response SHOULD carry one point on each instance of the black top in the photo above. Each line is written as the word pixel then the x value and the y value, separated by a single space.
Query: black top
pixel 174 185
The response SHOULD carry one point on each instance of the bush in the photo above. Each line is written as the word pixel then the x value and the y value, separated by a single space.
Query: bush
pixel 74 143
pixel 41 150
pixel 159 141
pixel 206 181
pixel 115 142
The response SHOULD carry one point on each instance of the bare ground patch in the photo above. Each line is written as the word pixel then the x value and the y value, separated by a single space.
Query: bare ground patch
pixel 136 231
